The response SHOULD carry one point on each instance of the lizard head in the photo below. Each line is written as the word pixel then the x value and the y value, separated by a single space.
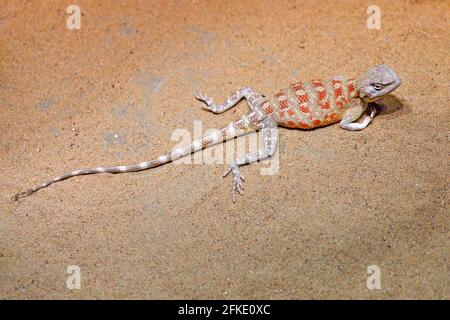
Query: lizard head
pixel 379 81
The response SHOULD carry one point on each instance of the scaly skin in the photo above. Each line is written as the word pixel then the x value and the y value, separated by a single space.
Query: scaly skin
pixel 303 105
pixel 307 105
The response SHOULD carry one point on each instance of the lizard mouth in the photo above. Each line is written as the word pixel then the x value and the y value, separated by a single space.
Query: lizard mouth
pixel 373 98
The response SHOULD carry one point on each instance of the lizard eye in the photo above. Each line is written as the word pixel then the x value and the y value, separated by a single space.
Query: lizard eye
pixel 378 86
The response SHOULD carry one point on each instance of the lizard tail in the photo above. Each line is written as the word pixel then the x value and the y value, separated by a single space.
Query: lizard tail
pixel 234 129
pixel 116 169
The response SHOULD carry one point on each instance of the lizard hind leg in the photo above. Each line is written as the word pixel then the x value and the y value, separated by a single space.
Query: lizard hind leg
pixel 252 97
pixel 270 140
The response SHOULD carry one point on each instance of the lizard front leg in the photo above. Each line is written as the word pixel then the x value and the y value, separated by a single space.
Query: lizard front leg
pixel 253 98
pixel 354 113
pixel 270 139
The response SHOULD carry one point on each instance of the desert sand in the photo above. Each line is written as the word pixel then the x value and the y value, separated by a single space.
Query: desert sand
pixel 115 90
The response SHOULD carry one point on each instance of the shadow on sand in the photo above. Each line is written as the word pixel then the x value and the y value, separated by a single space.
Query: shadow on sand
pixel 389 105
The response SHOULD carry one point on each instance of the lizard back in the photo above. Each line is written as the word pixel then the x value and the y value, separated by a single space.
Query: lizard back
pixel 307 105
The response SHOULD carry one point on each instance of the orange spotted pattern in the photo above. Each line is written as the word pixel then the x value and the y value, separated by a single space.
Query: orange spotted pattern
pixel 308 105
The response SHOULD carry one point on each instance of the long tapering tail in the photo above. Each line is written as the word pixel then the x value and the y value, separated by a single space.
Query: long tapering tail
pixel 234 129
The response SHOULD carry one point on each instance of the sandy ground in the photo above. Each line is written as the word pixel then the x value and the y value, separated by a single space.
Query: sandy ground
pixel 115 91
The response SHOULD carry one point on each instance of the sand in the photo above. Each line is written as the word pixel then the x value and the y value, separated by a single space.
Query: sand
pixel 116 90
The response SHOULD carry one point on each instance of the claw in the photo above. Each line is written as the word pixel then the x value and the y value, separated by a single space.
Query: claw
pixel 238 180
pixel 203 98
pixel 200 96
pixel 19 195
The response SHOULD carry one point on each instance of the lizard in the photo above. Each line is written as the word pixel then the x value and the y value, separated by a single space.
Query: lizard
pixel 302 105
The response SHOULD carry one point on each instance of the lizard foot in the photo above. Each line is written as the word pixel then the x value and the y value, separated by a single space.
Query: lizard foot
pixel 238 179
pixel 199 95
pixel 19 195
